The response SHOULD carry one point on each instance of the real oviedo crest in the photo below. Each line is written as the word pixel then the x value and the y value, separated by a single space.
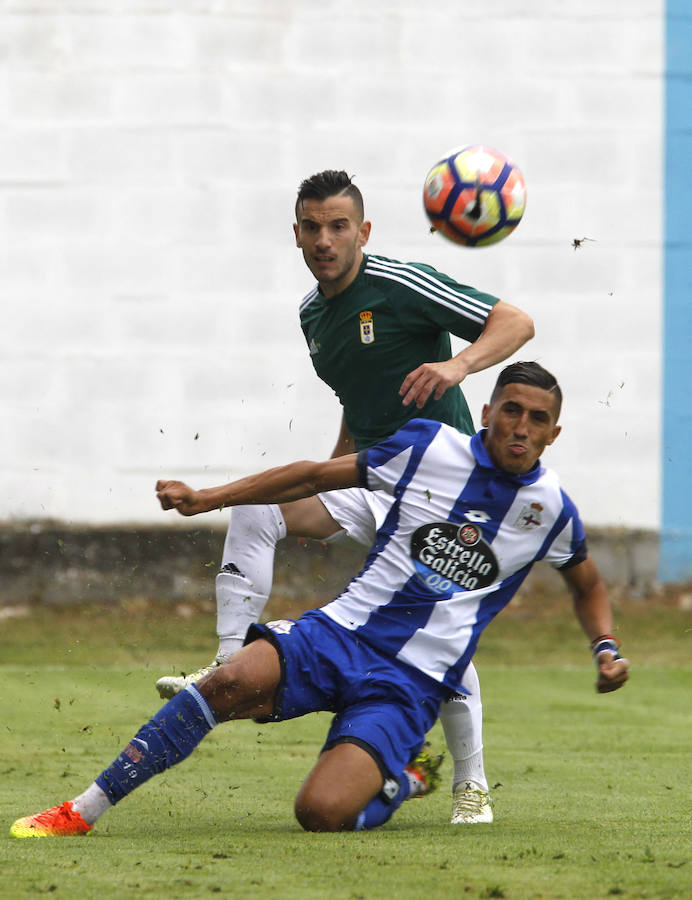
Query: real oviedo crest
pixel 367 327
pixel 450 557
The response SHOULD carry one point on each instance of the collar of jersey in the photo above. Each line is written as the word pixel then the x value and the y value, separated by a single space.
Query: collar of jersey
pixel 483 460
pixel 347 290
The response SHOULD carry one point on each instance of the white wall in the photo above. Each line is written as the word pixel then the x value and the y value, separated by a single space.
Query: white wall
pixel 149 157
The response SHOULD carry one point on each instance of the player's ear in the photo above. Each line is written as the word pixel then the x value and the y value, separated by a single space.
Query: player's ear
pixel 556 430
pixel 295 231
pixel 484 415
pixel 364 232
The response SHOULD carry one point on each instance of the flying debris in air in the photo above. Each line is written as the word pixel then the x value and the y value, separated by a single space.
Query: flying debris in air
pixel 577 242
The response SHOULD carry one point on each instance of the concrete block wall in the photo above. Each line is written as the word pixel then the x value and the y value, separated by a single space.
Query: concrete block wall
pixel 51 564
pixel 149 284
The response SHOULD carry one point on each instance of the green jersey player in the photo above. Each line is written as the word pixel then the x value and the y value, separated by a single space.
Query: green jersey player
pixel 378 332
pixel 364 342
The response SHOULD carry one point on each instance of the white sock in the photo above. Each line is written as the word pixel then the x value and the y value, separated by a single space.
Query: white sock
pixel 462 721
pixel 91 804
pixel 247 572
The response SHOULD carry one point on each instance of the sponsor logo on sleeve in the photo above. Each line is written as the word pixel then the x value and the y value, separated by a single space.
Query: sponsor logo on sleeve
pixel 449 557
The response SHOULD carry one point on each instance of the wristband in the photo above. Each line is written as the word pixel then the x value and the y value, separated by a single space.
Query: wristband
pixel 605 642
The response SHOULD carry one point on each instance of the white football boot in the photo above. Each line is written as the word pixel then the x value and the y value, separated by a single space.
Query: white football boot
pixel 471 805
pixel 170 685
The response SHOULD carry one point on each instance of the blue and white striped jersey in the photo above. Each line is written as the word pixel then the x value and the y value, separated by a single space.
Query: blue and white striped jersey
pixel 457 543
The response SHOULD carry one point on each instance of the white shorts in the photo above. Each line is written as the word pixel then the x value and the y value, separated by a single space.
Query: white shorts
pixel 359 512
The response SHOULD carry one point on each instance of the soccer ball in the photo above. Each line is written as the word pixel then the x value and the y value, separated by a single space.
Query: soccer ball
pixel 474 196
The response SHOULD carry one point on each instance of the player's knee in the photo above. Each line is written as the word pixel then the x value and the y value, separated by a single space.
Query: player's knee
pixel 321 812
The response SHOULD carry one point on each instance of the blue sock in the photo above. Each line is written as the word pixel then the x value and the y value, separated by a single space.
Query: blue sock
pixel 384 805
pixel 168 738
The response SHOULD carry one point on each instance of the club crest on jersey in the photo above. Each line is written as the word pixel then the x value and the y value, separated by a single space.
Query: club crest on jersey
pixel 367 327
pixel 281 626
pixel 449 557
pixel 530 516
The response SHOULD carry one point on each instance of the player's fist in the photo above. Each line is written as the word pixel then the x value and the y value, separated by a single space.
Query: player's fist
pixel 179 496
pixel 612 673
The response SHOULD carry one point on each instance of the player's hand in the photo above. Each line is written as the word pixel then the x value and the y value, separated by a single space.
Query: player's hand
pixel 179 496
pixel 612 673
pixel 430 379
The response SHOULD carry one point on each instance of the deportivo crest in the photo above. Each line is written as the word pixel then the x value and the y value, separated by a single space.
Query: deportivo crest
pixel 449 557
pixel 530 516
pixel 367 327
pixel 281 626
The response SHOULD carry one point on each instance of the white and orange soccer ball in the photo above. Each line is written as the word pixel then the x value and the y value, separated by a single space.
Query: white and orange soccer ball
pixel 474 196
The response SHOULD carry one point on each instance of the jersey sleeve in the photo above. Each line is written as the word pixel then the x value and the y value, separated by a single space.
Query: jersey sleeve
pixel 390 465
pixel 566 546
pixel 306 312
pixel 437 302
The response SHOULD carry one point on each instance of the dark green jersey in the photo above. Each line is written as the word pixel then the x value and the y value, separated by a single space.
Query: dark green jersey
pixel 392 318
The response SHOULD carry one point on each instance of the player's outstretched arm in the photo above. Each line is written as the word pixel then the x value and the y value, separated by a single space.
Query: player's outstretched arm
pixel 507 328
pixel 592 608
pixel 279 485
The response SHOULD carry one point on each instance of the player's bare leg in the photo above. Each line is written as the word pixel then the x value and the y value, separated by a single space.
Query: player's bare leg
pixel 346 791
pixel 344 781
pixel 244 583
pixel 245 686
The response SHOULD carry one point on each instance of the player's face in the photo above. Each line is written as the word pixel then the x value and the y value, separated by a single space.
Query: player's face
pixel 331 236
pixel 521 424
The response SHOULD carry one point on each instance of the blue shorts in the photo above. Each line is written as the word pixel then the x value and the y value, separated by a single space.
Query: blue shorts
pixel 383 705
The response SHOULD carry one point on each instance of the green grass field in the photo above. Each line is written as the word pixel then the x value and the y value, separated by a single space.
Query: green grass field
pixel 593 793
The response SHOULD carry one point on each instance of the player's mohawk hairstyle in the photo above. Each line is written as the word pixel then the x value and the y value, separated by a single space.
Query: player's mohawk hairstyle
pixel 330 183
pixel 533 374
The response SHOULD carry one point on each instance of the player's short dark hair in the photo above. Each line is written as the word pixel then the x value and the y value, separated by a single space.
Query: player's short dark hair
pixel 533 374
pixel 330 183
